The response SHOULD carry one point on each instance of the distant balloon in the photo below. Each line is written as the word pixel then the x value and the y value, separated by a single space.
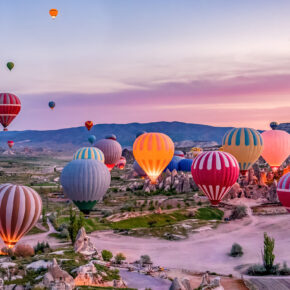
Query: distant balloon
pixel 90 153
pixel 89 125
pixel 121 163
pixel 53 13
pixel 173 164
pixel 185 165
pixel 221 149
pixel 153 152
pixel 10 107
pixel 276 147
pixel 10 144
pixel 92 139
pixel 20 210
pixel 215 173
pixel 138 169
pixel 196 151
pixel 179 153
pixel 111 137
pixel 140 133
pixel 111 149
pixel 10 65
pixel 85 182
pixel 274 125
pixel 51 104
pixel 245 144
pixel 283 191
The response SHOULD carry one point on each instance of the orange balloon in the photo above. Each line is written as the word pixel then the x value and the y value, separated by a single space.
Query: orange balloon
pixel 153 152
pixel 53 13
pixel 276 147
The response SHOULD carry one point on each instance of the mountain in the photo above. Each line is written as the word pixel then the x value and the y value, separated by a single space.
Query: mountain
pixel 72 138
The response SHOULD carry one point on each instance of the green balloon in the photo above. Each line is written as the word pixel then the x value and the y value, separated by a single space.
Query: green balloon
pixel 10 65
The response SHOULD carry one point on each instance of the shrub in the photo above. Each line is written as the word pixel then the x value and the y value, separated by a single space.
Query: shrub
pixel 42 248
pixel 23 251
pixel 64 234
pixel 285 271
pixel 145 259
pixel 169 206
pixel 236 250
pixel 107 255
pixel 268 254
pixel 239 212
pixel 151 223
pixel 119 258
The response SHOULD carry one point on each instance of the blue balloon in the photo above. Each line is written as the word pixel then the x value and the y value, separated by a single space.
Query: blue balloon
pixel 173 163
pixel 138 169
pixel 51 104
pixel 185 165
pixel 92 139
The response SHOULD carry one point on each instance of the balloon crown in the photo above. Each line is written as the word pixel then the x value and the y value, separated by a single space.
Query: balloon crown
pixel 112 137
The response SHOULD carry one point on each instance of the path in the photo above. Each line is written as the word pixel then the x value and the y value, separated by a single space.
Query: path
pixel 273 283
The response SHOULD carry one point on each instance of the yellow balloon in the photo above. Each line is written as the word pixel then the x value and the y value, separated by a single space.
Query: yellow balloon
pixel 245 144
pixel 153 152
pixel 196 151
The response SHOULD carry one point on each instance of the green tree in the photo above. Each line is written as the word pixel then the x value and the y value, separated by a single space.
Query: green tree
pixel 107 255
pixel 43 215
pixel 74 224
pixel 268 253
pixel 119 258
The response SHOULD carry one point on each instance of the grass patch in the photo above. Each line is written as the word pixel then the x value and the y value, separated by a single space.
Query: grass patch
pixel 35 231
pixel 209 213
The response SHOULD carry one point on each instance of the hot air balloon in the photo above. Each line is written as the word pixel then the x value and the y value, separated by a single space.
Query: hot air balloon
pixel 215 173
pixel 53 13
pixel 10 107
pixel 51 104
pixel 85 182
pixel 138 169
pixel 173 164
pixel 90 153
pixel 153 152
pixel 221 148
pixel 245 144
pixel 139 133
pixel 196 151
pixel 10 144
pixel 178 153
pixel 10 65
pixel 92 139
pixel 111 149
pixel 20 209
pixel 89 125
pixel 274 125
pixel 185 164
pixel 276 147
pixel 121 163
pixel 283 191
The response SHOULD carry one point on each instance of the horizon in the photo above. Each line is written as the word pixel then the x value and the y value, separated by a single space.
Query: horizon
pixel 219 64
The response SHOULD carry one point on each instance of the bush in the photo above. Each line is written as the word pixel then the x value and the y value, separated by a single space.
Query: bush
pixel 145 259
pixel 23 251
pixel 260 270
pixel 152 223
pixel 236 250
pixel 107 255
pixel 268 254
pixel 64 234
pixel 285 271
pixel 239 212
pixel 119 258
pixel 42 248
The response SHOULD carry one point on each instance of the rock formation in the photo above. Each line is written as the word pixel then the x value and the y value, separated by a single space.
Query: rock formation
pixel 83 245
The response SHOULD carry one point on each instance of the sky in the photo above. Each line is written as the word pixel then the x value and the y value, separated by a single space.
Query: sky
pixel 220 63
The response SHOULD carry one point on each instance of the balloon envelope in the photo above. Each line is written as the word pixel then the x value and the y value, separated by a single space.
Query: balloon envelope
pixel 10 65
pixel 274 125
pixel 178 153
pixel 10 144
pixel 20 209
pixel 196 151
pixel 245 144
pixel 185 164
pixel 153 152
pixel 137 168
pixel 173 164
pixel 10 107
pixel 89 153
pixel 89 125
pixel 121 163
pixel 53 13
pixel 215 173
pixel 276 147
pixel 92 139
pixel 283 191
pixel 85 182
pixel 51 104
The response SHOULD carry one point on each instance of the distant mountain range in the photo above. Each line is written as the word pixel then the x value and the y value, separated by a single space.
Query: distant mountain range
pixel 72 138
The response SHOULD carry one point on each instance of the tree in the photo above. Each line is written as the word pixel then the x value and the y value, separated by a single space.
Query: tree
pixel 43 215
pixel 74 224
pixel 107 255
pixel 268 254
pixel 145 259
pixel 119 258
pixel 236 250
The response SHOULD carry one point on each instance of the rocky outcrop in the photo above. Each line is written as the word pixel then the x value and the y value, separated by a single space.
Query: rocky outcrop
pixel 180 284
pixel 83 245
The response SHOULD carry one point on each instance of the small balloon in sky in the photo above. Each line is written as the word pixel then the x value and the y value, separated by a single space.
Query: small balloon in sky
pixel 10 65
pixel 53 13
pixel 51 104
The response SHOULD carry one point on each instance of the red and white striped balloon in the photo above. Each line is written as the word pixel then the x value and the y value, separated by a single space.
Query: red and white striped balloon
pixel 283 191
pixel 215 173
pixel 20 208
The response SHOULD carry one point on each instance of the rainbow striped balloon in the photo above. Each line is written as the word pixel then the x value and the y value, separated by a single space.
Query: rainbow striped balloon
pixel 89 153
pixel 153 152
pixel 245 144
pixel 283 191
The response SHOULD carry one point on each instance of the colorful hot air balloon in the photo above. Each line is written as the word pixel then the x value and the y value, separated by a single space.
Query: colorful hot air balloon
pixel 92 139
pixel 221 148
pixel 178 153
pixel 276 147
pixel 196 151
pixel 283 191
pixel 185 164
pixel 20 209
pixel 274 125
pixel 10 107
pixel 51 104
pixel 85 182
pixel 89 125
pixel 89 153
pixel 137 168
pixel 173 164
pixel 111 137
pixel 153 152
pixel 215 173
pixel 111 149
pixel 53 13
pixel 10 144
pixel 121 163
pixel 10 65
pixel 245 144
